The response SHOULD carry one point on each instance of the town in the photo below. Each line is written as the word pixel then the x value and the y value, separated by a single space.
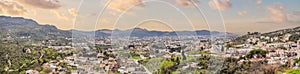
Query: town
pixel 165 54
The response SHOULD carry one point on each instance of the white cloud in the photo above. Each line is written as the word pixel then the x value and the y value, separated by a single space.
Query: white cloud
pixel 123 5
pixel 60 15
pixel 259 2
pixel 277 14
pixel 11 8
pixel 220 4
pixel 73 12
pixel 242 13
pixel 44 4
pixel 297 13
pixel 187 2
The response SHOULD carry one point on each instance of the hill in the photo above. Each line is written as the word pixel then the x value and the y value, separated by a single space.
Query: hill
pixel 284 35
pixel 22 27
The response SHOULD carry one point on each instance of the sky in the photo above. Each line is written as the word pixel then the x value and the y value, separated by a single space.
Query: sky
pixel 235 16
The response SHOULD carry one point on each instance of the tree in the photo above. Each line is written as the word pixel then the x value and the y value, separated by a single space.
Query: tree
pixel 166 66
pixel 294 37
pixel 258 52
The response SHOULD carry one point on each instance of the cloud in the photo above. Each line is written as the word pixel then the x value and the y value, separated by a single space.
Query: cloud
pixel 1 11
pixel 112 13
pixel 242 13
pixel 187 2
pixel 54 5
pixel 44 4
pixel 60 15
pixel 11 8
pixel 280 5
pixel 277 14
pixel 105 21
pixel 73 12
pixel 220 4
pixel 259 2
pixel 297 13
pixel 123 5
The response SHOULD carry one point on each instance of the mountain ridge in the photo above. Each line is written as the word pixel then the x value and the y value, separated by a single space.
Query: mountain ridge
pixel 12 25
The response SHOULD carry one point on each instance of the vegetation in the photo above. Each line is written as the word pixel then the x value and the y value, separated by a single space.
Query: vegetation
pixel 228 46
pixel 258 52
pixel 204 52
pixel 1 36
pixel 152 64
pixel 168 65
pixel 15 60
pixel 297 61
pixel 135 55
pixel 293 71
pixel 294 37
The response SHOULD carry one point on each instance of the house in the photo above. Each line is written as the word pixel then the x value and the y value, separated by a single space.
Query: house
pixel 74 72
pixel 32 72
pixel 286 37
pixel 28 50
pixel 298 43
pixel 167 56
pixel 131 69
pixel 261 43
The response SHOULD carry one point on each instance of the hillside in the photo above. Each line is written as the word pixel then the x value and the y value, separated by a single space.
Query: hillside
pixel 21 27
pixel 285 35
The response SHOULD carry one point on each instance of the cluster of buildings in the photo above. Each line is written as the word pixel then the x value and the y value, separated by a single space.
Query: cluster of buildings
pixel 280 49
pixel 116 58
pixel 121 61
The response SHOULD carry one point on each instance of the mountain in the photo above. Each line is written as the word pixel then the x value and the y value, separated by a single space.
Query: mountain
pixel 19 26
pixel 140 32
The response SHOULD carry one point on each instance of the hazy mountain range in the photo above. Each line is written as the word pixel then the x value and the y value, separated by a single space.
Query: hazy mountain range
pixel 140 32
pixel 20 26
